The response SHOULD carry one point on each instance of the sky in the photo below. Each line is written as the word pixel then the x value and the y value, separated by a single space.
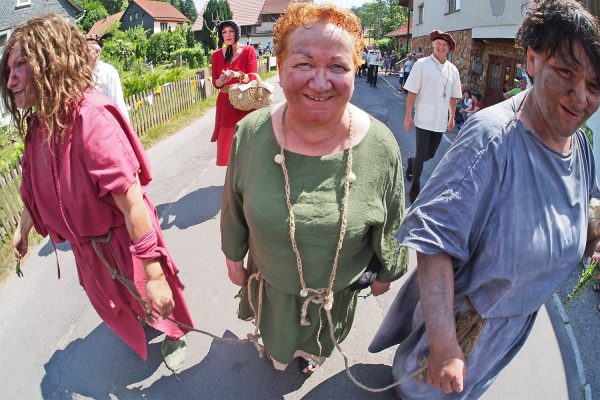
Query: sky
pixel 339 3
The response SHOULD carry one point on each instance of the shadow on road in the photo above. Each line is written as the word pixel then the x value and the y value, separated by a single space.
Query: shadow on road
pixel 340 385
pixel 48 249
pixel 192 209
pixel 100 366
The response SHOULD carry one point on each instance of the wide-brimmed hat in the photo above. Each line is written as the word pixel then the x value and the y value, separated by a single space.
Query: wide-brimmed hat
pixel 437 34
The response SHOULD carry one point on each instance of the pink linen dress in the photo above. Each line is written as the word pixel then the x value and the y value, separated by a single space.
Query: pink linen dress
pixel 66 187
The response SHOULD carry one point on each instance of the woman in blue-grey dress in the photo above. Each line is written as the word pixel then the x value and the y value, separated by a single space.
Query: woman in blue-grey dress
pixel 503 220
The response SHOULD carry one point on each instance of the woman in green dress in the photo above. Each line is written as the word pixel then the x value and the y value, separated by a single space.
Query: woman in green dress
pixel 313 192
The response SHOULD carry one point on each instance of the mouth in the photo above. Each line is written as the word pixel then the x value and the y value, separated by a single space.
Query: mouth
pixel 571 114
pixel 317 98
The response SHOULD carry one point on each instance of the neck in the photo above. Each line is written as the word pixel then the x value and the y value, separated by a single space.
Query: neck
pixel 532 119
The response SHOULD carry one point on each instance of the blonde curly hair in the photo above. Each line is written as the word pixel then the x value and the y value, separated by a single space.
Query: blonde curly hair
pixel 56 54
pixel 300 14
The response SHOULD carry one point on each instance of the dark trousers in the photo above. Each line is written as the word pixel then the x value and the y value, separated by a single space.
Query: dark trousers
pixel 427 145
pixel 372 74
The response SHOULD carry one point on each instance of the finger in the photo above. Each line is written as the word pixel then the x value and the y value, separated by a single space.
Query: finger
pixel 445 386
pixel 457 383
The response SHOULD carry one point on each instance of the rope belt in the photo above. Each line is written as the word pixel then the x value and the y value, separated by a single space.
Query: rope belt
pixel 468 326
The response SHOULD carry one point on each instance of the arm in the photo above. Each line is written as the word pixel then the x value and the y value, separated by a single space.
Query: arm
pixel 446 367
pixel 451 111
pixel 410 103
pixel 20 241
pixel 138 223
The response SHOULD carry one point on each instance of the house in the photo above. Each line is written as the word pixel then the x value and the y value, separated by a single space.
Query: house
pixel 154 16
pixel 484 31
pixel 255 18
pixel 103 24
pixel 402 36
pixel 15 12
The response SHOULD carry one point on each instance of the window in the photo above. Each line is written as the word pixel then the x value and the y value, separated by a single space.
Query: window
pixel 3 38
pixel 136 15
pixel 420 13
pixel 130 17
pixel 453 5
pixel 23 3
pixel 163 26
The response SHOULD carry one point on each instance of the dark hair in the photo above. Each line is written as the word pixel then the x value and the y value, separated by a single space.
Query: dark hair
pixel 557 26
pixel 231 24
pixel 477 96
pixel 468 91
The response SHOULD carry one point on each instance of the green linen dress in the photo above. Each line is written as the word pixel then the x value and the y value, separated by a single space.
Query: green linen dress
pixel 254 217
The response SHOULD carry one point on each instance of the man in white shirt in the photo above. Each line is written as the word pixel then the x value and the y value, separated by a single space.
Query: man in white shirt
pixel 106 76
pixel 433 89
pixel 374 60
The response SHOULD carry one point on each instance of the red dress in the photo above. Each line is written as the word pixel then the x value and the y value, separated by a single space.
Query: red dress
pixel 227 115
pixel 66 187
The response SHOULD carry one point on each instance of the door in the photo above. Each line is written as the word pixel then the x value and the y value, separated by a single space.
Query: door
pixel 501 71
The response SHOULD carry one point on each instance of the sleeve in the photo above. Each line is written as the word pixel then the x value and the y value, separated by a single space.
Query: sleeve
pixel 251 63
pixel 456 86
pixel 413 83
pixel 109 157
pixel 451 211
pixel 234 230
pixel 217 68
pixel 28 199
pixel 394 259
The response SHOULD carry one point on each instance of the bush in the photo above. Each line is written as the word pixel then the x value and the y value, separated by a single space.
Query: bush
pixel 162 45
pixel 386 45
pixel 136 83
pixel 193 57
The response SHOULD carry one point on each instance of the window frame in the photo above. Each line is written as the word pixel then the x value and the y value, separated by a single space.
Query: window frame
pixel 420 13
pixel 165 25
pixel 22 3
pixel 453 6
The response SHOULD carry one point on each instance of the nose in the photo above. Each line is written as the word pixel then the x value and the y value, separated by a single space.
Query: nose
pixel 320 80
pixel 580 93
pixel 12 80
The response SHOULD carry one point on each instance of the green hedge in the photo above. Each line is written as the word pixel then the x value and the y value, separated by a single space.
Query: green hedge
pixel 193 57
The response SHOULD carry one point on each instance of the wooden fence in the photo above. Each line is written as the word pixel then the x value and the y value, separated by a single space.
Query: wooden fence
pixel 146 110
pixel 10 200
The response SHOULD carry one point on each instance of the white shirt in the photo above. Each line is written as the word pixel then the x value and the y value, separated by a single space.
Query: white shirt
pixel 374 57
pixel 434 84
pixel 109 84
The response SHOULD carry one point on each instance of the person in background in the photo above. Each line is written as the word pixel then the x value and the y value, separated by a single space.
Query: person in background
pixel 313 193
pixel 106 76
pixel 503 220
pixel 477 105
pixel 463 107
pixel 374 60
pixel 433 90
pixel 408 64
pixel 230 64
pixel 385 60
pixel 85 177
pixel 391 63
pixel 517 90
pixel 363 68
pixel 401 77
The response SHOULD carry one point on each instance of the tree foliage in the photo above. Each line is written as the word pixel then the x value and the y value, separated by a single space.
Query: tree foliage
pixel 188 8
pixel 94 11
pixel 216 11
pixel 114 6
pixel 162 45
pixel 381 17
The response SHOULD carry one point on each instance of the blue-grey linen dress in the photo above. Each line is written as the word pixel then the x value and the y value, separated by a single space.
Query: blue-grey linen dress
pixel 512 214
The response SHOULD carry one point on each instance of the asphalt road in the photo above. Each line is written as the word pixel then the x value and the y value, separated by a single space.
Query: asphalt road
pixel 55 346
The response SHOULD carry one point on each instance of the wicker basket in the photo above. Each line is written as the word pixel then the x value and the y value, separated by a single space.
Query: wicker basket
pixel 250 96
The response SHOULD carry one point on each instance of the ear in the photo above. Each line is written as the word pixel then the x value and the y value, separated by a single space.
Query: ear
pixel 531 60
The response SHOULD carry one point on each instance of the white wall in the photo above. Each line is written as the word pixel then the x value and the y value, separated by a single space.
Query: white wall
pixel 171 26
pixel 488 18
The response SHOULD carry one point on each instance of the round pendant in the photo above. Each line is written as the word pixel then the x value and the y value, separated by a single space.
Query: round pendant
pixel 351 177
pixel 328 306
pixel 304 293
pixel 279 159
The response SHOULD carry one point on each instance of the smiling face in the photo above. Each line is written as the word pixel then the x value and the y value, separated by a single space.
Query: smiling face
pixel 317 72
pixel 565 94
pixel 228 35
pixel 20 79
pixel 440 49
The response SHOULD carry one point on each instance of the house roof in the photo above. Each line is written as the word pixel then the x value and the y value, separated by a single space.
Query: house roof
pixel 102 24
pixel 161 11
pixel 74 4
pixel 400 31
pixel 246 12
pixel 279 6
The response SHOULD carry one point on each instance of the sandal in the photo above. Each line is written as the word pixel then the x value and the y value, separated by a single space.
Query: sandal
pixel 307 367
pixel 596 284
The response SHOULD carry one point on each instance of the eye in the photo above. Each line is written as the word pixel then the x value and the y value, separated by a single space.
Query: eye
pixel 593 88
pixel 567 73
pixel 338 67
pixel 303 65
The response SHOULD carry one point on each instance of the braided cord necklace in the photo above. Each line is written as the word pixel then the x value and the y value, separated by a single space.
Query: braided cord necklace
pixel 324 295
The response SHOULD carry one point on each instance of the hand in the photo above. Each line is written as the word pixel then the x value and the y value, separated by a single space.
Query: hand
pixel 238 275
pixel 451 125
pixel 20 244
pixel 408 123
pixel 378 288
pixel 446 369
pixel 159 293
pixel 592 249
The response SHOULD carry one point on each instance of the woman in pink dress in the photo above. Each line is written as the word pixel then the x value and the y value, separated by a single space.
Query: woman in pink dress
pixel 85 176
pixel 231 64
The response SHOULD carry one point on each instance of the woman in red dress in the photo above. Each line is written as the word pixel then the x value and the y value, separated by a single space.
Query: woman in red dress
pixel 231 64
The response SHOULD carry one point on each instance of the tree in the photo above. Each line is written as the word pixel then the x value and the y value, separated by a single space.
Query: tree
pixel 94 11
pixel 188 8
pixel 381 16
pixel 216 11
pixel 162 44
pixel 114 6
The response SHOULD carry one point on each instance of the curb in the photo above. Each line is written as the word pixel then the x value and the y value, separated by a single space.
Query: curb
pixel 577 385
